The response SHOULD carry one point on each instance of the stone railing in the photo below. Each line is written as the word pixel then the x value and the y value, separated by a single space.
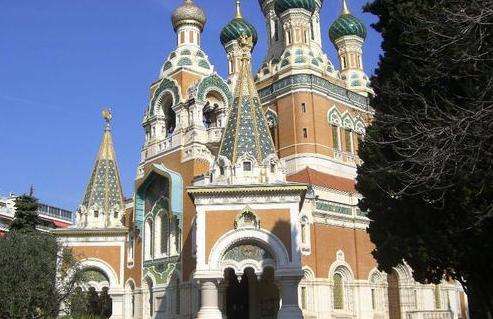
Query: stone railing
pixel 429 314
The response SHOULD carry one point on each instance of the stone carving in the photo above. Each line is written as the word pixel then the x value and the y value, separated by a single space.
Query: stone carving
pixel 247 251
pixel 247 219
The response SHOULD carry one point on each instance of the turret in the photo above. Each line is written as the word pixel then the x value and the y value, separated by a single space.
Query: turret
pixel 230 36
pixel 348 34
pixel 188 21
pixel 247 154
pixel 103 204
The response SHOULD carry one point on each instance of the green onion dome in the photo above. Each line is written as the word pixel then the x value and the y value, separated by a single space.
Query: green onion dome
pixel 238 27
pixel 281 6
pixel 347 25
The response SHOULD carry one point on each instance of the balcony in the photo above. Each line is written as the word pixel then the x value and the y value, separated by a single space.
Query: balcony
pixel 429 314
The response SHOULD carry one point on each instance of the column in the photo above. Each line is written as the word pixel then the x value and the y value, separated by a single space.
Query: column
pixel 209 308
pixel 117 304
pixel 289 297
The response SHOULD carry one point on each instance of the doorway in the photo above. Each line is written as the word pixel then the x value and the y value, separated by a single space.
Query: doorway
pixel 249 296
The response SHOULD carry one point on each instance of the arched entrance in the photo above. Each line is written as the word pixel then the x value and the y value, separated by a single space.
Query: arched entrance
pixel 249 275
pixel 249 295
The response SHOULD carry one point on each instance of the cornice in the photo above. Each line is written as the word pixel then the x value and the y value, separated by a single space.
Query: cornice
pixel 81 232
pixel 247 189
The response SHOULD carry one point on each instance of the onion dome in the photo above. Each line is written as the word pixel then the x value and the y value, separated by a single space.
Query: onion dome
pixel 188 13
pixel 238 27
pixel 283 5
pixel 346 25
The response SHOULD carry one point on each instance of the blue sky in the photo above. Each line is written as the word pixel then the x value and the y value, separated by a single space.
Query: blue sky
pixel 61 61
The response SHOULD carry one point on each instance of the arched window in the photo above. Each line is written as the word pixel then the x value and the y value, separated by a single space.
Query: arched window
pixel 377 292
pixel 149 239
pixel 338 292
pixel 169 113
pixel 165 234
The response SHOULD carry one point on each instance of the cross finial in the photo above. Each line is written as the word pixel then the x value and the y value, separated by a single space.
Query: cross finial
pixel 238 10
pixel 107 116
pixel 345 8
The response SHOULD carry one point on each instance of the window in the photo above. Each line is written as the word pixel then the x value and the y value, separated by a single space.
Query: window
pixel 338 292
pixel 96 214
pixel 221 170
pixel 289 36
pixel 182 37
pixel 312 31
pixel 347 140
pixel 305 133
pixel 335 137
pixel 247 166
pixel 303 298
pixel 304 233
pixel 164 234
pixel 343 62
pixel 272 167
pixel 191 37
pixel 373 299
pixel 303 107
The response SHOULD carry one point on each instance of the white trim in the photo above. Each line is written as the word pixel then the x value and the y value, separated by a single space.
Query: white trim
pixel 104 267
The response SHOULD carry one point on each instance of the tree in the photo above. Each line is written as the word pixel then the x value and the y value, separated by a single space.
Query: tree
pixel 26 213
pixel 37 275
pixel 427 174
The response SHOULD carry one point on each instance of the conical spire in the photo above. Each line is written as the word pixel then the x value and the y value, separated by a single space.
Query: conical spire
pixel 345 8
pixel 104 191
pixel 246 132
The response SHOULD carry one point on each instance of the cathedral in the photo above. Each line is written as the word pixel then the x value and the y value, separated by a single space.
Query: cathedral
pixel 244 204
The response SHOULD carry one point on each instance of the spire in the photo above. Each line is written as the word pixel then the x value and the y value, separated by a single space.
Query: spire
pixel 238 10
pixel 246 131
pixel 104 191
pixel 345 8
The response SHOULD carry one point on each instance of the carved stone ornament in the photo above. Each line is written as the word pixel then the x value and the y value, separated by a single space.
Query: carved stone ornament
pixel 247 219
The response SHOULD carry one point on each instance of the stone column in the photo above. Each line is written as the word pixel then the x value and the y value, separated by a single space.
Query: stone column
pixel 209 309
pixel 117 309
pixel 289 298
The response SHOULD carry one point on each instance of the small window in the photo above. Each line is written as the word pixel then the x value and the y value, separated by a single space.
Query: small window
pixel 303 297
pixel 115 214
pixel 182 37
pixel 191 37
pixel 335 137
pixel 221 170
pixel 289 37
pixel 303 107
pixel 373 299
pixel 247 166
pixel 96 213
pixel 312 31
pixel 272 167
pixel 276 31
pixel 338 292
pixel 305 133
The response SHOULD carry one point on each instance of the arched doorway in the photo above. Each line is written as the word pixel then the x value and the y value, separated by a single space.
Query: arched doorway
pixel 394 295
pixel 249 295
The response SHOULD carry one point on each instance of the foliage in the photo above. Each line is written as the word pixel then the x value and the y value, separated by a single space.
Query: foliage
pixel 26 216
pixel 427 172
pixel 90 304
pixel 31 285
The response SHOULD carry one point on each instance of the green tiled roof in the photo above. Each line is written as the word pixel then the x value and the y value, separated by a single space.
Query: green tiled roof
pixel 282 5
pixel 247 131
pixel 104 189
pixel 347 25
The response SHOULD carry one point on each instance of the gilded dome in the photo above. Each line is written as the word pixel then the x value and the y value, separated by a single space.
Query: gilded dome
pixel 238 27
pixel 188 12
pixel 347 25
pixel 282 5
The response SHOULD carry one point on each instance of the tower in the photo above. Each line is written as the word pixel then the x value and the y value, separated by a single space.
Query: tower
pixel 103 205
pixel 348 34
pixel 230 35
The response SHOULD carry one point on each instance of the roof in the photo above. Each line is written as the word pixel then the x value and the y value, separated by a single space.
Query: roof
pixel 104 189
pixel 247 132
pixel 314 177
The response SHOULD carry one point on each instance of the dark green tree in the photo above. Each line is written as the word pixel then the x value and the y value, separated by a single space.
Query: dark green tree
pixel 36 275
pixel 26 216
pixel 427 175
